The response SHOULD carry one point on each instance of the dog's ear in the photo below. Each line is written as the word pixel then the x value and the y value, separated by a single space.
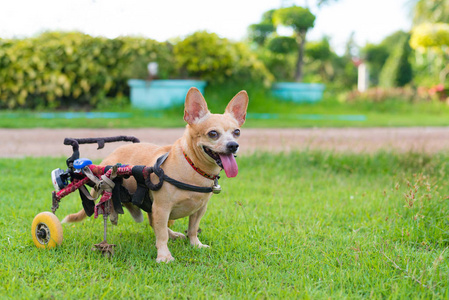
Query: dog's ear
pixel 237 107
pixel 195 106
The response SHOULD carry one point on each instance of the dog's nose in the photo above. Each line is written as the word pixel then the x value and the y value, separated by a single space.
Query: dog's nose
pixel 232 147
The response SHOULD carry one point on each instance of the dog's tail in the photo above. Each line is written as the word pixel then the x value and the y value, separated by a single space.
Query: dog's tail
pixel 78 217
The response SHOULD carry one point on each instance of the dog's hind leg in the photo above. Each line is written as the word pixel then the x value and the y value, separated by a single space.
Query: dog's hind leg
pixel 194 224
pixel 77 217
pixel 135 212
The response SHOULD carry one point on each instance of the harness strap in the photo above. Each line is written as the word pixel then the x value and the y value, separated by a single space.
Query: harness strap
pixel 141 196
pixel 86 193
pixel 157 170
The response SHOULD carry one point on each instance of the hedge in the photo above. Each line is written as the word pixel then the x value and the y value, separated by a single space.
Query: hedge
pixel 208 57
pixel 71 69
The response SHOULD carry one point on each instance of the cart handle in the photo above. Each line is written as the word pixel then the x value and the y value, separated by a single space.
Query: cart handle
pixel 100 141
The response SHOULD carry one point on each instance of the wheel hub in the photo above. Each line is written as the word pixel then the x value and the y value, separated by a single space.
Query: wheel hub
pixel 42 233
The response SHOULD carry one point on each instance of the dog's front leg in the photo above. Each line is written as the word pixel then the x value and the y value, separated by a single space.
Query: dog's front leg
pixel 160 219
pixel 194 224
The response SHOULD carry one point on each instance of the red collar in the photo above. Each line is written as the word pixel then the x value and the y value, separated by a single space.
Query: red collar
pixel 201 172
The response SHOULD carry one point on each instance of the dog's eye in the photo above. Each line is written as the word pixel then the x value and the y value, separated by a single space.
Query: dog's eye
pixel 213 134
pixel 237 132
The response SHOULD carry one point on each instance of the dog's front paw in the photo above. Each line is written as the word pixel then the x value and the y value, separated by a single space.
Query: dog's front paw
pixel 196 243
pixel 165 259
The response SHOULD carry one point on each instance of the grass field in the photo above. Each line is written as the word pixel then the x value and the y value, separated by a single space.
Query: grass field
pixel 302 225
pixel 264 111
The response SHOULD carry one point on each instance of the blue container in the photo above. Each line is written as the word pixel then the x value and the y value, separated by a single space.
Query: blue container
pixel 161 94
pixel 298 91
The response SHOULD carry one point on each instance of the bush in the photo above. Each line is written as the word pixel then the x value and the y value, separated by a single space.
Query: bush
pixel 282 44
pixel 397 70
pixel 73 69
pixel 319 50
pixel 208 57
pixel 406 94
pixel 282 66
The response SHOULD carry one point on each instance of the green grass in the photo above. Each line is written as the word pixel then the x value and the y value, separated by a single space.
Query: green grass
pixel 302 225
pixel 388 113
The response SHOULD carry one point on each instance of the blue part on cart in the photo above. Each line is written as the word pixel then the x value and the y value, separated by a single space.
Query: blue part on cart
pixel 80 163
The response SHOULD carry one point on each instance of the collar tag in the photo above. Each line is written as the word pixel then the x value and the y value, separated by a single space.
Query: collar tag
pixel 216 188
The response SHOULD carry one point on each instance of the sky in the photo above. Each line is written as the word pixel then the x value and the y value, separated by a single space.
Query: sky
pixel 370 20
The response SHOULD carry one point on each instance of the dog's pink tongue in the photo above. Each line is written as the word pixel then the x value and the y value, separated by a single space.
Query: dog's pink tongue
pixel 229 165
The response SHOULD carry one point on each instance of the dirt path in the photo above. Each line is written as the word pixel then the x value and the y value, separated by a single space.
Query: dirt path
pixel 49 142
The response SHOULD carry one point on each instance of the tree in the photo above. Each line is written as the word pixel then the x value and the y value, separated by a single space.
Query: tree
pixel 434 40
pixel 318 60
pixel 430 36
pixel 300 20
pixel 433 11
pixel 397 70
pixel 260 32
pixel 376 55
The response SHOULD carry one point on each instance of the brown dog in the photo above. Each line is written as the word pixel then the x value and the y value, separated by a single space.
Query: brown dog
pixel 208 145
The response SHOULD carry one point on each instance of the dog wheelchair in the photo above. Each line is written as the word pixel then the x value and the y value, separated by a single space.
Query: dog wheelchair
pixel 106 185
pixel 46 229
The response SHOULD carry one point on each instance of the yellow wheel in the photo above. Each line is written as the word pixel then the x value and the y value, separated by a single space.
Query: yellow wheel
pixel 46 230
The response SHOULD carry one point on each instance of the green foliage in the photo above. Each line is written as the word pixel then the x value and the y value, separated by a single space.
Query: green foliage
pixel 431 42
pixel 319 62
pixel 207 56
pixel 260 32
pixel 382 108
pixel 375 56
pixel 391 41
pixel 300 20
pixel 319 50
pixel 433 11
pixel 378 95
pixel 282 45
pixel 429 35
pixel 282 66
pixel 344 74
pixel 267 17
pixel 274 52
pixel 397 70
pixel 296 17
pixel 72 69
pixel 321 65
pixel 283 55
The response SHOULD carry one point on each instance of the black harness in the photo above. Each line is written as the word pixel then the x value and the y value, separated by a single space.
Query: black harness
pixel 162 177
pixel 142 197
